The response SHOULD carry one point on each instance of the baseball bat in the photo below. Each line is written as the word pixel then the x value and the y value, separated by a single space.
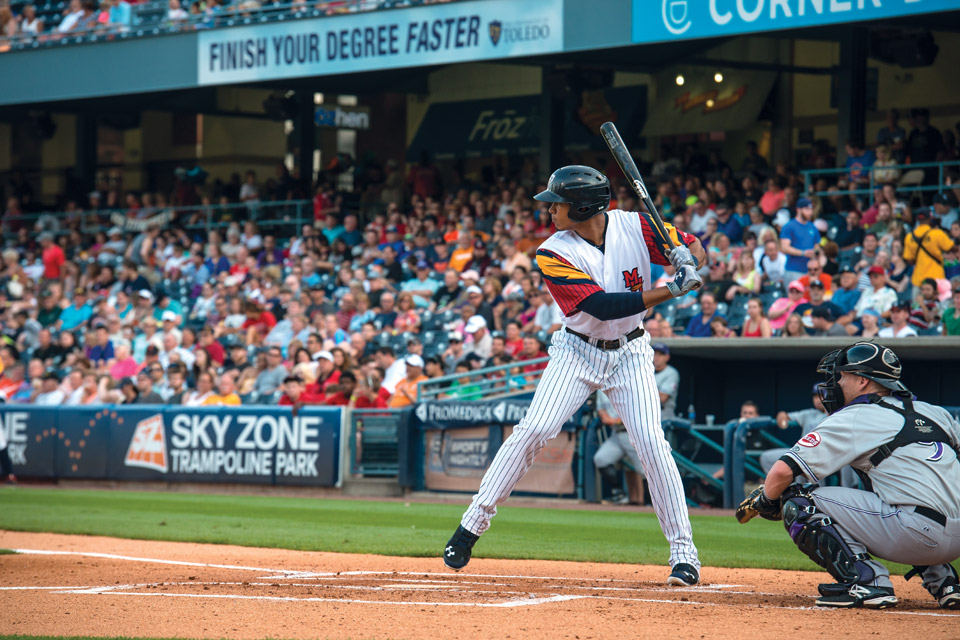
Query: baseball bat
pixel 619 150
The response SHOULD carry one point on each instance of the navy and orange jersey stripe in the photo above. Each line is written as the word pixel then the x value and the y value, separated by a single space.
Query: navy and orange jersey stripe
pixel 568 285
pixel 657 245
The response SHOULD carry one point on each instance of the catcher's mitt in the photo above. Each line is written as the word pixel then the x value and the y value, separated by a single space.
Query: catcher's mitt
pixel 757 504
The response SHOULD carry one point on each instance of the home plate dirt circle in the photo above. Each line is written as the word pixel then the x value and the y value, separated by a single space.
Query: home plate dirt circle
pixel 76 585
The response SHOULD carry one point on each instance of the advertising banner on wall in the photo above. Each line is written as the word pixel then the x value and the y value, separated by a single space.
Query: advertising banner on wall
pixel 258 445
pixel 461 438
pixel 378 40
pixel 664 20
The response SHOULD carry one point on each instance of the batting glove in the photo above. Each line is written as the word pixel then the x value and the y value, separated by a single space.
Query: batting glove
pixel 686 280
pixel 680 256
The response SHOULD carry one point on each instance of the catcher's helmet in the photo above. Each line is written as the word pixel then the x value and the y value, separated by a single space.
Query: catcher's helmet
pixel 586 190
pixel 866 359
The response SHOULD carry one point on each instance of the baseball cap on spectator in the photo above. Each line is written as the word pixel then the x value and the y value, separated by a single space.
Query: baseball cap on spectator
pixel 803 203
pixel 942 198
pixel 823 313
pixel 472 289
pixel 455 336
pixel 323 355
pixel 233 281
pixel 413 360
pixel 659 347
pixel 115 231
pixel 168 316
pixel 50 375
pixel 796 284
pixel 756 209
pixel 474 324
pixel 515 296
pixel 846 269
pixel 423 264
pixel 816 282
pixel 152 349
pixel 79 291
pixel 292 378
pixel 146 295
pixel 870 311
pixel 901 306
pixel 921 213
pixel 144 373
pixel 46 235
pixel 128 382
pixel 875 270
pixel 480 244
pixel 470 274
pixel 393 229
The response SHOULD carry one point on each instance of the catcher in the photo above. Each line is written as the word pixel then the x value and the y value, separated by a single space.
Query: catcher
pixel 905 452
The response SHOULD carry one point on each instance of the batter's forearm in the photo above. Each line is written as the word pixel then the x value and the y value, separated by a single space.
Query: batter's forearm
pixel 696 249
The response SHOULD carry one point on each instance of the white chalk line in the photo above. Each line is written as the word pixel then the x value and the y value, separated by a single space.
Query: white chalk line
pixel 290 574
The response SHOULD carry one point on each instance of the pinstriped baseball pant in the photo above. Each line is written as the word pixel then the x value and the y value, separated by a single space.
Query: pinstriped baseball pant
pixel 575 370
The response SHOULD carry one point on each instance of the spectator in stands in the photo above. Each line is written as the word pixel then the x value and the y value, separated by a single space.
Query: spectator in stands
pixel 816 299
pixel 850 236
pixel 807 419
pixel 667 379
pixel 798 239
pixel 859 162
pixel 899 318
pixel 870 321
pixel 925 247
pixel 30 24
pixel 394 369
pixel 815 274
pixel 951 315
pixel 173 391
pixel 924 143
pixel 481 342
pixel 879 296
pixel 102 348
pixel 422 287
pixel 824 323
pixel 71 14
pixel 745 275
pixel 883 166
pixel 295 393
pixel 944 210
pixel 699 325
pixel 754 163
pixel 406 391
pixel 926 309
pixel 226 395
pixel 772 264
pixel 50 393
pixel 756 324
pixel 893 135
pixel 782 308
pixel 270 379
pixel 76 314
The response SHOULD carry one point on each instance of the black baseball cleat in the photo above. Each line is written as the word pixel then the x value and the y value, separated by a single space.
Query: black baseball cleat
pixel 456 554
pixel 857 595
pixel 684 575
pixel 949 594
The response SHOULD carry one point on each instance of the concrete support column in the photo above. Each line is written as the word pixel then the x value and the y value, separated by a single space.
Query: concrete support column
pixel 552 143
pixel 852 86
pixel 306 139
pixel 85 164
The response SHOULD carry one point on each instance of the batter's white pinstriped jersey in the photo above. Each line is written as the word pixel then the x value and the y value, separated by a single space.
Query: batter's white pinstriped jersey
pixel 574 269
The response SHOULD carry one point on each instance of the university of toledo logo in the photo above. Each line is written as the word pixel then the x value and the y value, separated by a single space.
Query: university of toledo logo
pixel 675 16
pixel 148 447
pixel 496 28
pixel 633 280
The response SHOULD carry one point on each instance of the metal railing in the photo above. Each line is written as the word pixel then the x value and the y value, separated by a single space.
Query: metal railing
pixel 914 185
pixel 151 19
pixel 483 384
pixel 292 214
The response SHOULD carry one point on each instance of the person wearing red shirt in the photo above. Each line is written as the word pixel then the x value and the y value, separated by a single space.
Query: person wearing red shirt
pixel 213 348
pixel 368 394
pixel 295 393
pixel 327 373
pixel 348 383
pixel 258 320
pixel 532 350
pixel 53 257
pixel 513 340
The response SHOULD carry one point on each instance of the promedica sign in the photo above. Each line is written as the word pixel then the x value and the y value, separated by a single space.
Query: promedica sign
pixel 384 39
pixel 660 20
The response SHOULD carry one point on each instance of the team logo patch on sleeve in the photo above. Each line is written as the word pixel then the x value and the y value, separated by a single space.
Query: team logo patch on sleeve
pixel 633 280
pixel 812 439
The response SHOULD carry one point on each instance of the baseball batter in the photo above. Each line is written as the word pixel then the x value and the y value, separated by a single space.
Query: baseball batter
pixel 905 452
pixel 597 268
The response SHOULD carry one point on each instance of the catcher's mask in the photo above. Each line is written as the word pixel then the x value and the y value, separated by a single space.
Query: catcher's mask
pixel 585 189
pixel 872 361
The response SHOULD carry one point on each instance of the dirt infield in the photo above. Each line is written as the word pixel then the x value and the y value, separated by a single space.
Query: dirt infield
pixel 80 585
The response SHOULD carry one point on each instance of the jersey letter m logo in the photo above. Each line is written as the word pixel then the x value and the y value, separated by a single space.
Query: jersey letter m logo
pixel 633 280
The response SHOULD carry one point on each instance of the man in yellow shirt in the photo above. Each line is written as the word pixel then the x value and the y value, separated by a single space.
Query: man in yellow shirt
pixel 227 395
pixel 406 393
pixel 924 248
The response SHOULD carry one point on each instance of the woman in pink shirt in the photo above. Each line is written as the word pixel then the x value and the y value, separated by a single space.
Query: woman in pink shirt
pixel 772 198
pixel 123 365
pixel 781 309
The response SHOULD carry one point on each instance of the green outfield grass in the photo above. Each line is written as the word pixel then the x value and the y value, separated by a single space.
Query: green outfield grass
pixel 390 528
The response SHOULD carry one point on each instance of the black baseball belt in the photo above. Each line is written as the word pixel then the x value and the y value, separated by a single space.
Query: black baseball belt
pixel 933 514
pixel 607 345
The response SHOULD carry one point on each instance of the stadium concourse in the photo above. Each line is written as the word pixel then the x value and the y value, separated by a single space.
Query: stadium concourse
pixel 239 293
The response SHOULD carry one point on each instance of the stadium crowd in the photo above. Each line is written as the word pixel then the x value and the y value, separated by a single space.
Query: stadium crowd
pixel 414 277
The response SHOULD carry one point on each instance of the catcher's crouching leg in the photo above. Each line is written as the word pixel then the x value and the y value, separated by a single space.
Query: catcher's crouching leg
pixel 817 537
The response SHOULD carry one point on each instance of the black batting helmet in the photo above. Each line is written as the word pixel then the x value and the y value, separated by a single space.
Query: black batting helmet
pixel 866 359
pixel 586 190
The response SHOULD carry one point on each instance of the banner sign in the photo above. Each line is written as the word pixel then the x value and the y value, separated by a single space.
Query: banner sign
pixel 482 128
pixel 378 40
pixel 461 438
pixel 663 20
pixel 161 219
pixel 259 445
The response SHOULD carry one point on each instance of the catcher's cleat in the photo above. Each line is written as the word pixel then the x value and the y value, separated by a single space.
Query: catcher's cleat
pixel 949 594
pixel 684 575
pixel 456 554
pixel 857 595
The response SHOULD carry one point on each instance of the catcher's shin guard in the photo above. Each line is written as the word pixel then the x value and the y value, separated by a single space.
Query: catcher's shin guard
pixel 818 538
